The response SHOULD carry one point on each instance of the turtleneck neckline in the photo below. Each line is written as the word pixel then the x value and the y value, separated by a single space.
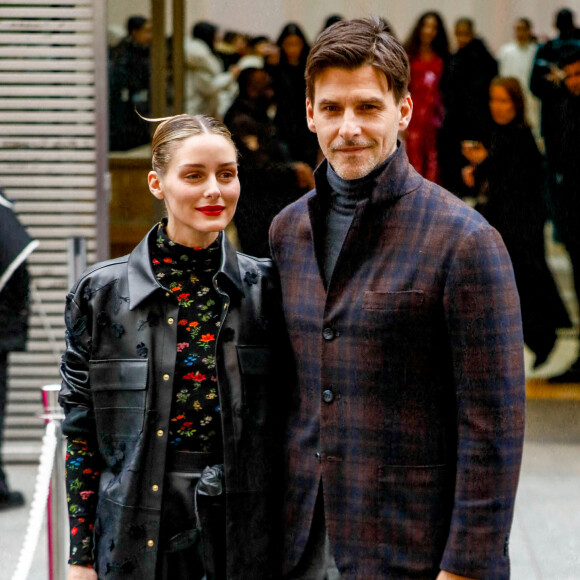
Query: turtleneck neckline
pixel 170 252
pixel 353 190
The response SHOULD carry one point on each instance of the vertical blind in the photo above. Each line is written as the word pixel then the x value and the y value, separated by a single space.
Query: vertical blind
pixel 49 168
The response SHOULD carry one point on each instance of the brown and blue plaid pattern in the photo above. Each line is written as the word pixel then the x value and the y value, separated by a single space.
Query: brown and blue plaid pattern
pixel 410 400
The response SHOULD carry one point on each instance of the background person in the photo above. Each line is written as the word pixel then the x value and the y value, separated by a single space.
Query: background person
pixel 465 87
pixel 406 431
pixel 428 51
pixel 15 247
pixel 516 59
pixel 169 372
pixel 507 174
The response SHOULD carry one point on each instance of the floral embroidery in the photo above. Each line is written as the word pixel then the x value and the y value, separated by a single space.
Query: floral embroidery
pixel 251 277
pixel 187 274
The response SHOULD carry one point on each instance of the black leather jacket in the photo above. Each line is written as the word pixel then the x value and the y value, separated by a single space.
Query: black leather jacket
pixel 117 387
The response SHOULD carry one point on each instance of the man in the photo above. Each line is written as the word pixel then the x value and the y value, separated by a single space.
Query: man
pixel 566 152
pixel 405 435
pixel 270 180
pixel 129 90
pixel 546 77
pixel 15 247
pixel 516 59
pixel 465 87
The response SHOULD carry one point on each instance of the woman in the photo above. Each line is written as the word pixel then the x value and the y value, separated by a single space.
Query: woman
pixel 507 177
pixel 290 90
pixel 168 372
pixel 428 50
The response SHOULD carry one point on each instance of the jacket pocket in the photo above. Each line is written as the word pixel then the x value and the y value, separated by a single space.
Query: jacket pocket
pixel 119 391
pixel 393 301
pixel 413 516
pixel 257 373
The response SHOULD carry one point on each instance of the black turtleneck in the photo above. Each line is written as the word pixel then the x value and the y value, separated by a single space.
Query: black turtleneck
pixel 344 197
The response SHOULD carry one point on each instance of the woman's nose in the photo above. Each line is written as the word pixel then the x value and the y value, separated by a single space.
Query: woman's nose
pixel 212 189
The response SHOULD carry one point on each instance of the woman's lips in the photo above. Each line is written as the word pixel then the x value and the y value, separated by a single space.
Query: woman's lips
pixel 211 210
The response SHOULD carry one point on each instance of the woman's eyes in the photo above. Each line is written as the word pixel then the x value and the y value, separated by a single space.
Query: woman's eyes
pixel 222 175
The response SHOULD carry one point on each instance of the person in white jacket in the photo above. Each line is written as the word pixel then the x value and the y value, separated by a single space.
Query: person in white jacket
pixel 209 90
pixel 516 59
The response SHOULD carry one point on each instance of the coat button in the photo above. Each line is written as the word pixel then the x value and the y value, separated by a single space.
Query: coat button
pixel 318 456
pixel 155 487
pixel 328 396
pixel 160 433
pixel 150 543
pixel 170 321
pixel 328 333
pixel 165 377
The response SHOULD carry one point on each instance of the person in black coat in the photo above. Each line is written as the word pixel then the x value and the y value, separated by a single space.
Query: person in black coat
pixel 465 85
pixel 290 88
pixel 507 174
pixel 269 177
pixel 15 247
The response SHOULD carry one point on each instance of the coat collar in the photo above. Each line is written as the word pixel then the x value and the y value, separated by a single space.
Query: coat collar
pixel 142 282
pixel 397 180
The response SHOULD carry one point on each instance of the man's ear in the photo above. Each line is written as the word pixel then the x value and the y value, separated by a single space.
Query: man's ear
pixel 405 112
pixel 155 185
pixel 310 116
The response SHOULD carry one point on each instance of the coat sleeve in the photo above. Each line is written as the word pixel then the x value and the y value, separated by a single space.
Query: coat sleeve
pixel 484 323
pixel 75 393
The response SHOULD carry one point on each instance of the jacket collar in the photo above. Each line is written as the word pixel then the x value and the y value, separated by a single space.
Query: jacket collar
pixel 397 180
pixel 142 282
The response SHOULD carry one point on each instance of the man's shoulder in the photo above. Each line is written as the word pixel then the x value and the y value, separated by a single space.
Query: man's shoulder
pixel 444 209
pixel 294 210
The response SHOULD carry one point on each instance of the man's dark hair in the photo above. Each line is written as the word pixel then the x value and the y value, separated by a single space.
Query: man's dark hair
pixel 135 23
pixel 466 22
pixel 350 44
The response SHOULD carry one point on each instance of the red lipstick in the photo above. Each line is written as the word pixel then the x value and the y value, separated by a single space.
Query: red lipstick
pixel 211 210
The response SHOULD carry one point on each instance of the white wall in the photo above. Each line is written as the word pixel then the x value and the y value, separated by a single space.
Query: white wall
pixel 493 18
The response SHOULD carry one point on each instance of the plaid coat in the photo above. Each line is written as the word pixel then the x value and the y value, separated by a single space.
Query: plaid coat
pixel 410 400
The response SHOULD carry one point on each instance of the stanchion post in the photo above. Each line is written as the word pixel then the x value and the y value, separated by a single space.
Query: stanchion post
pixel 58 542
pixel 77 258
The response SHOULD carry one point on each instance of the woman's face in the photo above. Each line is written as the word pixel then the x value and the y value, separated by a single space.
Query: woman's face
pixel 501 106
pixel 200 188
pixel 292 46
pixel 428 31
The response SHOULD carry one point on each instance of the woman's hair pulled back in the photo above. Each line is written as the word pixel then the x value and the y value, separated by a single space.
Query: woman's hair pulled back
pixel 174 130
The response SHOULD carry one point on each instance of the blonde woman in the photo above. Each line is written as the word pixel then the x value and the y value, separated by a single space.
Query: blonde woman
pixel 173 411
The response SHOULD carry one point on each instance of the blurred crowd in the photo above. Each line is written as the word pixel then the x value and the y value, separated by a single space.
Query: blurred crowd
pixel 501 130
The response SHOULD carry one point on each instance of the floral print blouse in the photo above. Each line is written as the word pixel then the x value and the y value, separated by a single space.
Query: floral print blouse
pixel 195 421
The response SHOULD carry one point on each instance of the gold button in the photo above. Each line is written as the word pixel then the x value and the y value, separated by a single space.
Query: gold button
pixel 155 487
pixel 165 377
pixel 160 433
pixel 170 321
pixel 167 294
pixel 150 543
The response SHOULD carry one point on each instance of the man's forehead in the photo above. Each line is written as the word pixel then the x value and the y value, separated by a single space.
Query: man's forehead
pixel 363 80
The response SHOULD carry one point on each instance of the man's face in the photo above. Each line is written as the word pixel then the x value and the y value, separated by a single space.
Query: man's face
pixel 356 119
pixel 143 35
pixel 572 79
pixel 463 35
pixel 522 33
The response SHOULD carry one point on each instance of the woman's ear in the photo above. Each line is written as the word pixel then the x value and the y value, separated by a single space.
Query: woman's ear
pixel 155 185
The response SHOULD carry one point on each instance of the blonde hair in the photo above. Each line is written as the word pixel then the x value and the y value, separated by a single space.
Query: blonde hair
pixel 172 130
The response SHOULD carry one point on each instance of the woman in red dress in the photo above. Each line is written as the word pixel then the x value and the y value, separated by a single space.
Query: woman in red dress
pixel 427 47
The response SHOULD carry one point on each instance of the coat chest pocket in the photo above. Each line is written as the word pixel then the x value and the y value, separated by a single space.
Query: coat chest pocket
pixel 393 301
pixel 119 391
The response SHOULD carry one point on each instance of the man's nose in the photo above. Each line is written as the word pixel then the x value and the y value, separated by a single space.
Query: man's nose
pixel 350 126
